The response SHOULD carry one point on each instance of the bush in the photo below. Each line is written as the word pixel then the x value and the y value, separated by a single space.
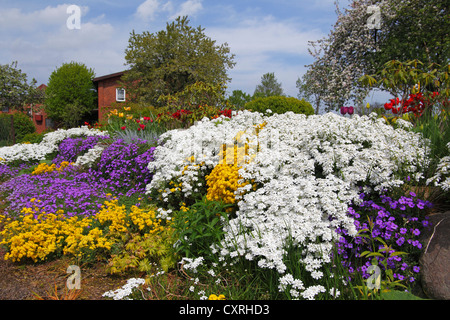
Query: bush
pixel 22 125
pixel 33 137
pixel 280 105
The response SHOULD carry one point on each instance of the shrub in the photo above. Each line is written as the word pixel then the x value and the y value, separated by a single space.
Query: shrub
pixel 33 137
pixel 196 228
pixel 22 125
pixel 280 105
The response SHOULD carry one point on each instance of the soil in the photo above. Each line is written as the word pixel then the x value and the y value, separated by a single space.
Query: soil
pixel 39 281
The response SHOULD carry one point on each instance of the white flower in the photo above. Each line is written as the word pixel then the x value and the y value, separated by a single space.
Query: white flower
pixel 49 144
pixel 312 291
pixel 308 169
pixel 126 290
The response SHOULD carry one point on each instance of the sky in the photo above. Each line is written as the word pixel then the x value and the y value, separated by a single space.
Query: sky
pixel 265 35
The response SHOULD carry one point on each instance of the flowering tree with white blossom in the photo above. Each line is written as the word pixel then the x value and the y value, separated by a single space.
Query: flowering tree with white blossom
pixel 364 39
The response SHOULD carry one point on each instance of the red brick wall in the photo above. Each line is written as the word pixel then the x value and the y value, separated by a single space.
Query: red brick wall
pixel 106 95
pixel 39 125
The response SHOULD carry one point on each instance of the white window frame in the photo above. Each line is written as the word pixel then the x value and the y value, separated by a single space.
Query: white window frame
pixel 117 94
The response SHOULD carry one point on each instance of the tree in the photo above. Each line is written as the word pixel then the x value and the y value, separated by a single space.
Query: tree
pixel 70 94
pixel 238 99
pixel 353 49
pixel 15 91
pixel 269 87
pixel 165 62
pixel 313 88
pixel 415 29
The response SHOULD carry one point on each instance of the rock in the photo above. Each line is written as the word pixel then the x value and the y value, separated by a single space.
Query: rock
pixel 435 258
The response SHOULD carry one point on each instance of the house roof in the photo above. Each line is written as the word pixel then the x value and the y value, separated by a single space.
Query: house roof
pixel 112 75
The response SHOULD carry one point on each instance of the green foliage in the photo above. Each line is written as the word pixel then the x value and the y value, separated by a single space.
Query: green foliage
pixel 280 105
pixel 70 94
pixel 5 130
pixel 413 76
pixel 415 29
pixel 165 62
pixel 238 99
pixel 195 95
pixel 141 253
pixel 198 227
pixel 269 87
pixel 15 91
pixel 398 295
pixel 33 137
pixel 23 125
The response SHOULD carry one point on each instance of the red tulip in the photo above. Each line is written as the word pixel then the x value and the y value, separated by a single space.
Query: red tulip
pixel 123 128
pixel 344 110
pixel 350 110
pixel 142 126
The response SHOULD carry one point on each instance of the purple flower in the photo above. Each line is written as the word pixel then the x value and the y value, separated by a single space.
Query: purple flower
pixel 400 241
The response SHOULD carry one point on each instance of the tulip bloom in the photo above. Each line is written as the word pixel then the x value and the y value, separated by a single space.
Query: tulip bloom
pixel 350 110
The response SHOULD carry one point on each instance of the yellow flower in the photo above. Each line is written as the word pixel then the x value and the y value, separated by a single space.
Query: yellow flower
pixel 223 183
pixel 215 297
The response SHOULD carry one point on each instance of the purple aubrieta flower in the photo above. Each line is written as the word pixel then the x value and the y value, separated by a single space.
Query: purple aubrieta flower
pixel 391 224
pixel 417 244
pixel 400 241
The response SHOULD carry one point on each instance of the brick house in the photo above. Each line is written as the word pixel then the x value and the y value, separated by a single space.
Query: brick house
pixel 109 92
pixel 37 113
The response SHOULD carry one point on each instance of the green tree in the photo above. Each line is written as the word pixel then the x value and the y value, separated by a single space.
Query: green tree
pixel 70 94
pixel 414 29
pixel 408 30
pixel 15 91
pixel 238 99
pixel 165 62
pixel 280 104
pixel 269 87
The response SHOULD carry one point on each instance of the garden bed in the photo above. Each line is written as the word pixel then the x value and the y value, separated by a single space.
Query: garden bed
pixel 246 206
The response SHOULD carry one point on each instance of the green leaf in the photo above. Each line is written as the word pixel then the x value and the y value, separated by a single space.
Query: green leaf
pixel 375 254
pixel 398 253
pixel 398 295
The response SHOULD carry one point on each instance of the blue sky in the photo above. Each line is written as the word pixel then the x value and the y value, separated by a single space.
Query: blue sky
pixel 265 35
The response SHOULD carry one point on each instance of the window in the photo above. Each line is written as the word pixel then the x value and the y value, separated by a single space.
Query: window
pixel 120 94
pixel 48 123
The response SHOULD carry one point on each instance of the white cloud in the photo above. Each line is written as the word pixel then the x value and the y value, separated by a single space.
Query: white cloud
pixel 147 10
pixel 264 45
pixel 188 8
pixel 17 21
pixel 40 41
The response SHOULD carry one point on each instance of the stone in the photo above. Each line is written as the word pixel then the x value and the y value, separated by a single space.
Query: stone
pixel 435 258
